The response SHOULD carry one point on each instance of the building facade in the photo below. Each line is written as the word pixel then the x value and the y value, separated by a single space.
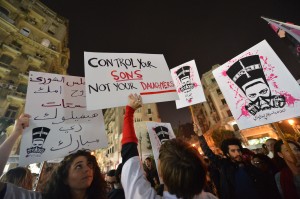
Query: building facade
pixel 215 114
pixel 32 38
pixel 110 157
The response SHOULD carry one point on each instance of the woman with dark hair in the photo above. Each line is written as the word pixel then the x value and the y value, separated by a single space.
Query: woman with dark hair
pixel 77 176
pixel 19 176
pixel 288 177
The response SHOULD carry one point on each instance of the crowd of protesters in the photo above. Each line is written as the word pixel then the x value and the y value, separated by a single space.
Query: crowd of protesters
pixel 182 172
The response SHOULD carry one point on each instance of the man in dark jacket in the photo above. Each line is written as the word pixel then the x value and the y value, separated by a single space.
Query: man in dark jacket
pixel 238 179
pixel 113 179
pixel 151 172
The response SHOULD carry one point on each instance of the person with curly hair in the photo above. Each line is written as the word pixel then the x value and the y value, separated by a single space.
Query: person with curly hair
pixel 78 175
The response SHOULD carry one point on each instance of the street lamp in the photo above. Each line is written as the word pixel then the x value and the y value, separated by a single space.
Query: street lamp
pixel 292 123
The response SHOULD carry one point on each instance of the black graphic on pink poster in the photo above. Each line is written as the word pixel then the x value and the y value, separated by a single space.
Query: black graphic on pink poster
pixel 247 73
pixel 255 77
pixel 186 83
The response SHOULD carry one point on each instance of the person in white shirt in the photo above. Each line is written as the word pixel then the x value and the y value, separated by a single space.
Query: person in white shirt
pixel 180 166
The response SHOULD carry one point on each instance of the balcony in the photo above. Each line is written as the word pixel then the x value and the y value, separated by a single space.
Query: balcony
pixel 12 49
pixel 24 76
pixel 4 68
pixel 6 18
pixel 16 96
pixel 37 61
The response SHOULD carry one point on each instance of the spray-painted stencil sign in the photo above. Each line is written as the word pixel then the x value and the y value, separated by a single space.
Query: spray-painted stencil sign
pixel 188 84
pixel 258 87
pixel 159 133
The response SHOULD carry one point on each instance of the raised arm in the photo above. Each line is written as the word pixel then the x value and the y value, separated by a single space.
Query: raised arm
pixel 133 180
pixel 129 140
pixel 204 146
pixel 5 148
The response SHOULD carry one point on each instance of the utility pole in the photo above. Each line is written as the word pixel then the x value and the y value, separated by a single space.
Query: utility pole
pixel 140 142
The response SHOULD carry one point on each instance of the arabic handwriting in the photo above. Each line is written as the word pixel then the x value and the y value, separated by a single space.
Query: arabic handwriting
pixel 43 80
pixel 81 144
pixel 63 104
pixel 77 93
pixel 41 90
pixel 76 83
pixel 66 130
pixel 87 142
pixel 45 117
pixel 76 118
pixel 75 148
pixel 60 143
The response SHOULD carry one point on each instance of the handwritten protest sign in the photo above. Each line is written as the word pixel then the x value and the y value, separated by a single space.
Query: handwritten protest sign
pixel 258 87
pixel 111 77
pixel 188 84
pixel 159 133
pixel 60 123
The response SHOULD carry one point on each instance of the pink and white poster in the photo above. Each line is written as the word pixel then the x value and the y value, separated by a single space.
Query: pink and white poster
pixel 159 133
pixel 188 84
pixel 258 87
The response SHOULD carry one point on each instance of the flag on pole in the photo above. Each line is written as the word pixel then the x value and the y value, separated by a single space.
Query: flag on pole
pixel 289 32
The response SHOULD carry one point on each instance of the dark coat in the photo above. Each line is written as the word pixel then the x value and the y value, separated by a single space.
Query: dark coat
pixel 263 183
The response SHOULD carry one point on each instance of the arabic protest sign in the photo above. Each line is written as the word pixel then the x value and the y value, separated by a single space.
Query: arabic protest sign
pixel 188 84
pixel 159 133
pixel 111 77
pixel 258 87
pixel 59 123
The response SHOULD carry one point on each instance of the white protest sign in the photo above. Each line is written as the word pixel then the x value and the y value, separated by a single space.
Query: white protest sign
pixel 111 77
pixel 59 123
pixel 258 87
pixel 188 84
pixel 159 133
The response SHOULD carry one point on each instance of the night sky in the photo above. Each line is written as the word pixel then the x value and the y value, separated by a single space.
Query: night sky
pixel 210 33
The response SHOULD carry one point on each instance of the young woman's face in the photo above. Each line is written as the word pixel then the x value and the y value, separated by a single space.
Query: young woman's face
pixel 80 174
pixel 286 155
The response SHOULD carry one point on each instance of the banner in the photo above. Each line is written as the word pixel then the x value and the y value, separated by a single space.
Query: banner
pixel 188 84
pixel 111 77
pixel 258 87
pixel 59 123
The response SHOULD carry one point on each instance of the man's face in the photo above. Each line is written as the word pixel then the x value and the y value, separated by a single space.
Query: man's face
pixel 234 153
pixel 110 180
pixel 270 145
pixel 148 164
pixel 259 93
